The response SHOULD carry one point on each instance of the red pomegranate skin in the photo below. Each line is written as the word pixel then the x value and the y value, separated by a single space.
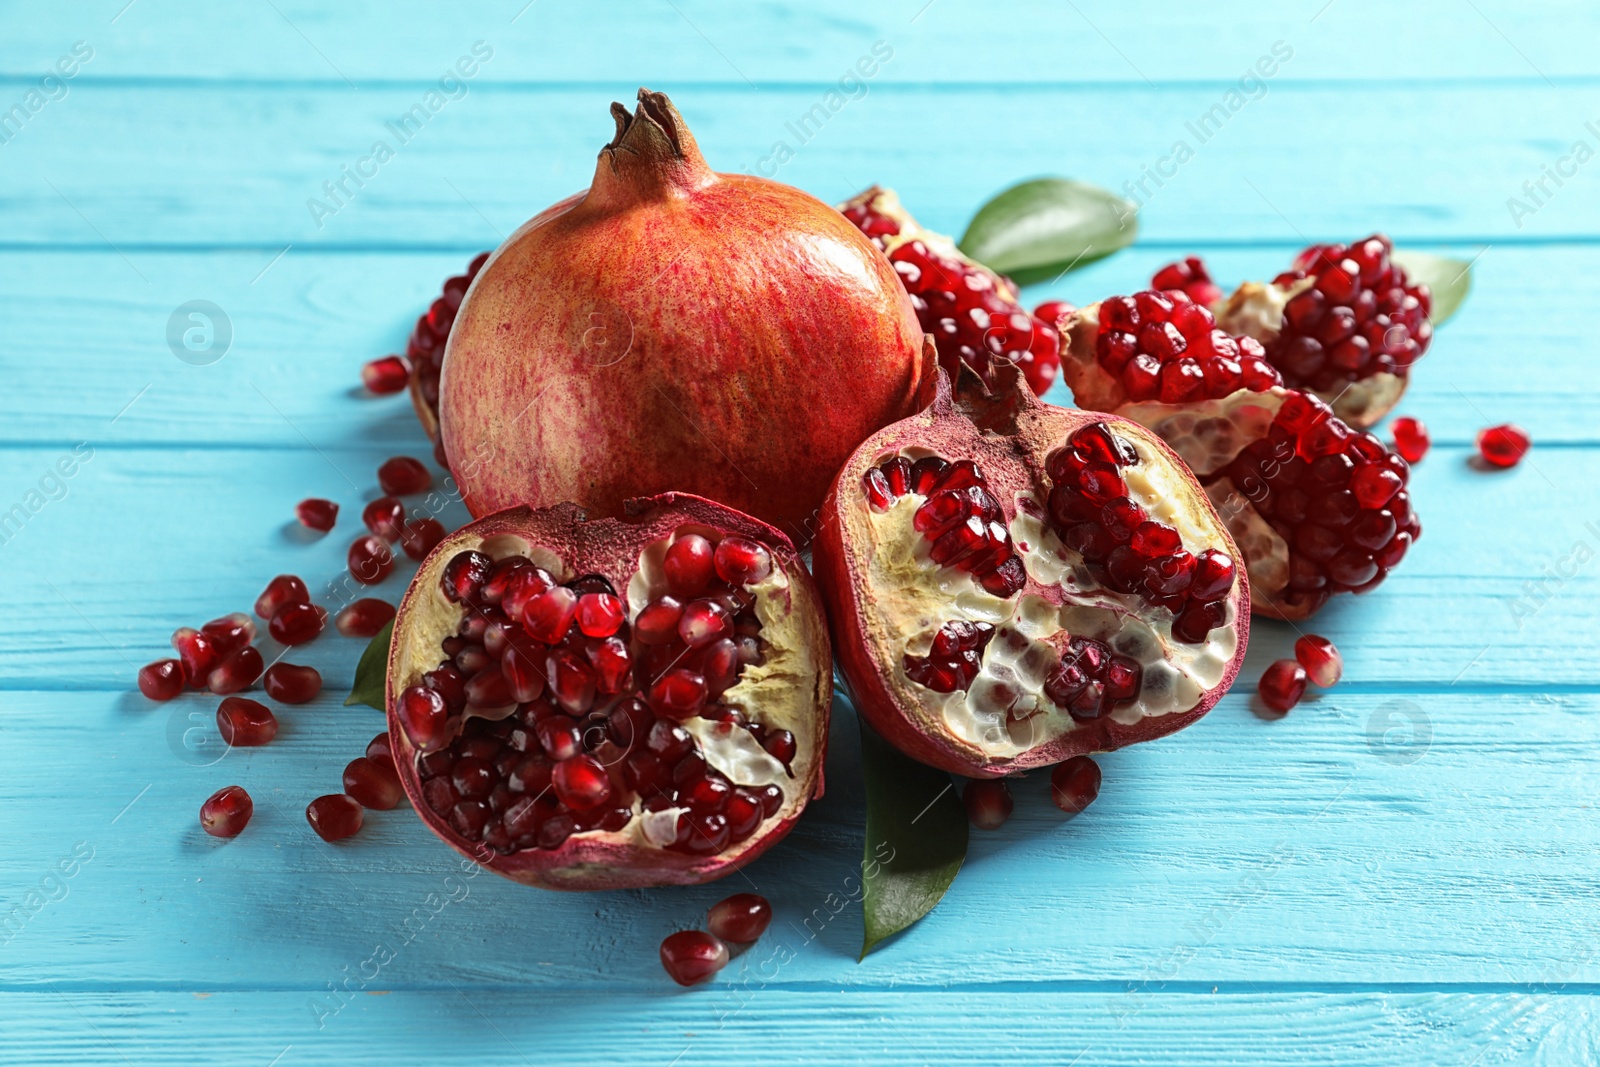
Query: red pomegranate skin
pixel 610 547
pixel 675 329
pixel 1009 434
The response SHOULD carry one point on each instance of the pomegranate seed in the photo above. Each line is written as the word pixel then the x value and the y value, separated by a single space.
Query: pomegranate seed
pixel 600 614
pixel 226 812
pixel 422 536
pixel 385 517
pixel 295 624
pixel 657 622
pixel 1323 664
pixel 403 476
pixel 702 622
pixel 1282 685
pixel 246 723
pixel 198 653
pixel 988 802
pixel 284 589
pixel 463 578
pixel 373 783
pixel 230 633
pixel 1411 438
pixel 334 816
pixel 548 616
pixel 739 561
pixel 378 749
pixel 741 918
pixel 288 684
pixel 1054 311
pixel 1503 445
pixel 581 783
pixel 424 717
pixel 680 694
pixel 692 956
pixel 161 680
pixel 387 375
pixel 315 513
pixel 1075 784
pixel 780 745
pixel 688 565
pixel 238 671
pixel 365 617
pixel 370 560
pixel 1190 277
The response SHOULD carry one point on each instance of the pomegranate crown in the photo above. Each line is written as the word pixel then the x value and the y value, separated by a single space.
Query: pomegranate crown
pixel 652 154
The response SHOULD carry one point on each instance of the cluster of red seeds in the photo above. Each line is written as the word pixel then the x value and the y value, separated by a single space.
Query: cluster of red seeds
pixel 550 712
pixel 953 661
pixel 960 516
pixel 1125 549
pixel 426 346
pixel 1338 499
pixel 1191 276
pixel 1360 317
pixel 960 307
pixel 1164 346
pixel 1091 679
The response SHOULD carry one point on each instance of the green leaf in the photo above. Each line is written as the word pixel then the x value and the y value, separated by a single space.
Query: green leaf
pixel 1450 280
pixel 1043 228
pixel 372 673
pixel 916 838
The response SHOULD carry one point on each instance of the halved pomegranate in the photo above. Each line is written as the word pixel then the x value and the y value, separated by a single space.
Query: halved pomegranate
pixel 608 703
pixel 1317 507
pixel 1013 583
pixel 971 312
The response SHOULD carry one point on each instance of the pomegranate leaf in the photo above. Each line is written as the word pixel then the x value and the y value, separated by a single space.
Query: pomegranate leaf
pixel 1040 229
pixel 916 839
pixel 372 673
pixel 1450 280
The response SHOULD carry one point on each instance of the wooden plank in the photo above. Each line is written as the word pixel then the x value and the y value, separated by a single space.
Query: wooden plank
pixel 1366 841
pixel 241 164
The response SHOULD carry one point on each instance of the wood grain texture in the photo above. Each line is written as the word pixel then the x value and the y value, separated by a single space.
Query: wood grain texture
pixel 1403 870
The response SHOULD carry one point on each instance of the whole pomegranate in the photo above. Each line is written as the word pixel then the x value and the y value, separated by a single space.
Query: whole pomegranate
pixel 1317 507
pixel 674 329
pixel 971 312
pixel 1013 584
pixel 613 703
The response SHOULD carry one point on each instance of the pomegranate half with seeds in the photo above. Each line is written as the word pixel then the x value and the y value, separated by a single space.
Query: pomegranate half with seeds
pixel 1013 583
pixel 674 329
pixel 611 703
pixel 1317 507
pixel 971 312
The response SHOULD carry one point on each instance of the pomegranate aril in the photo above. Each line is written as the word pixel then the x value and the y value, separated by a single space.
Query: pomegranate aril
pixel 421 536
pixel 370 560
pixel 226 812
pixel 161 680
pixel 1190 277
pixel 691 956
pixel 689 565
pixel 239 671
pixel 1503 445
pixel 230 633
pixel 988 802
pixel 373 783
pixel 246 723
pixel 284 589
pixel 1411 438
pixel 657 621
pixel 679 694
pixel 741 918
pixel 1075 784
pixel 289 684
pixel 378 748
pixel 334 816
pixel 315 513
pixel 572 683
pixel 1321 660
pixel 781 746
pixel 295 624
pixel 1282 685
pixel 740 561
pixel 581 783
pixel 424 716
pixel 600 614
pixel 198 653
pixel 385 517
pixel 548 616
pixel 403 476
pixel 386 375
pixel 364 617
pixel 702 622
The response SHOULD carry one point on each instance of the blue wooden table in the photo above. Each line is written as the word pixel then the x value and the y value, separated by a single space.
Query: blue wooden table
pixel 1404 870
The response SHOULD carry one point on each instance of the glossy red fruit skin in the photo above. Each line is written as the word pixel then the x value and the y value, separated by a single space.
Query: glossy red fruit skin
pixel 1323 664
pixel 386 375
pixel 1028 425
pixel 1075 784
pixel 403 476
pixel 373 783
pixel 820 348
pixel 289 684
pixel 226 812
pixel 1282 685
pixel 317 514
pixel 295 624
pixel 693 956
pixel 609 547
pixel 284 589
pixel 740 919
pixel 334 816
pixel 1504 445
pixel 246 723
pixel 161 680
pixel 1411 438
pixel 370 559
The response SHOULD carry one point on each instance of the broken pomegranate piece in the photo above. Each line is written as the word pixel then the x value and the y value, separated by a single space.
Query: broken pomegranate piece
pixel 621 702
pixel 1013 584
pixel 425 349
pixel 971 312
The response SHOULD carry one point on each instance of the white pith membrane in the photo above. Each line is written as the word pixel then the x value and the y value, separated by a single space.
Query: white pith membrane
pixel 777 692
pixel 1005 711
